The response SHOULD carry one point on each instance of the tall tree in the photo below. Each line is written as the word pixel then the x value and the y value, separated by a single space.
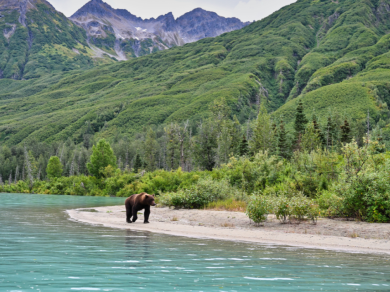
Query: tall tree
pixel 224 141
pixel 311 139
pixel 151 147
pixel 54 167
pixel 283 147
pixel 263 132
pixel 102 156
pixel 332 132
pixel 317 129
pixel 300 121
pixel 172 147
pixel 205 145
pixel 244 147
pixel 182 134
pixel 137 163
pixel 346 132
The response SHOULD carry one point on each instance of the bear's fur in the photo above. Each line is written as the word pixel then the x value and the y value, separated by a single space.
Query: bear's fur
pixel 137 203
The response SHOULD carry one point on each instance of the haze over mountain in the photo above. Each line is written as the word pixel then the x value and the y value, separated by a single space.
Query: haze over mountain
pixel 131 36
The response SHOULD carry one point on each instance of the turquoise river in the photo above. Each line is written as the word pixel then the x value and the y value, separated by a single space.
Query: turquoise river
pixel 42 250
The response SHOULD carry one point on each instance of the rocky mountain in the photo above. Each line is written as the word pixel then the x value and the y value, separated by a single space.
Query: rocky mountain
pixel 124 35
pixel 35 40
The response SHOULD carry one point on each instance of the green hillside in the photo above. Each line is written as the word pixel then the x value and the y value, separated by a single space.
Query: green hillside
pixel 330 54
pixel 40 41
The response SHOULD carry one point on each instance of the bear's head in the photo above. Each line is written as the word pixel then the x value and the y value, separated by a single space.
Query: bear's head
pixel 149 200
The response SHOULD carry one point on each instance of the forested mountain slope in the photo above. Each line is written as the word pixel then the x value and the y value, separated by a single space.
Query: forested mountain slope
pixel 36 40
pixel 327 53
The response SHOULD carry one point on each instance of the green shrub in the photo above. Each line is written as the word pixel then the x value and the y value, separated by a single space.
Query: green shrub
pixel 258 209
pixel 330 204
pixel 368 198
pixel 205 191
pixel 297 207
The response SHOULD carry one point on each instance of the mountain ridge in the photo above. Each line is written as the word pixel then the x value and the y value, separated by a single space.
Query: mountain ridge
pixel 132 36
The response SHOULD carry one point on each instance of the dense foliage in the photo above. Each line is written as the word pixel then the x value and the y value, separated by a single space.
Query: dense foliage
pixel 333 54
pixel 318 178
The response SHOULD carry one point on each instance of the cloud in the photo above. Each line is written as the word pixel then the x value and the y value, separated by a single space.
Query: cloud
pixel 246 10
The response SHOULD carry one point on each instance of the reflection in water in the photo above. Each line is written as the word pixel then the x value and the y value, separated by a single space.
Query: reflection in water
pixel 41 250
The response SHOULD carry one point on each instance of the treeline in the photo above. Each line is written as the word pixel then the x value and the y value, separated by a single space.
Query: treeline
pixel 201 145
pixel 333 170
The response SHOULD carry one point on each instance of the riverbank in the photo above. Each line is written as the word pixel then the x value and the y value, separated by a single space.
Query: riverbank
pixel 329 234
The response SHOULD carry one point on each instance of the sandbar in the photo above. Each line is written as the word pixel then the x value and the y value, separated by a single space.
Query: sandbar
pixel 339 235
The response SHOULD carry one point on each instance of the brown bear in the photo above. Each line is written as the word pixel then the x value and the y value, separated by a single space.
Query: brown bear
pixel 137 203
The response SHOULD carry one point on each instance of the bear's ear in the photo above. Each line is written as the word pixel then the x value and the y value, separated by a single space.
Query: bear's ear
pixel 153 195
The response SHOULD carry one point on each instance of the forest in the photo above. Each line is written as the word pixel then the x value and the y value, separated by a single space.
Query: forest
pixel 334 169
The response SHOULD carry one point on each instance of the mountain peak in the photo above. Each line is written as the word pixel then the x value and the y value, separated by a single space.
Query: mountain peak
pixel 95 7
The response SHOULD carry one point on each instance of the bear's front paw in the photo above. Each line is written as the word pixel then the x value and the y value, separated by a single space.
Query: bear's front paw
pixel 146 222
pixel 129 222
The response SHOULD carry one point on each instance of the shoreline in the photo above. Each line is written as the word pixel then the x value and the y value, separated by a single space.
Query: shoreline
pixel 235 227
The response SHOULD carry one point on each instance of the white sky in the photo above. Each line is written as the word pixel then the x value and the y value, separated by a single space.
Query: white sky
pixel 246 10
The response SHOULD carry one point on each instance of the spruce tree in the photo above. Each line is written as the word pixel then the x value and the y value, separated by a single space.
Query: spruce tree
pixel 345 132
pixel 244 147
pixel 137 163
pixel 317 129
pixel 300 121
pixel 282 141
pixel 331 133
pixel 205 145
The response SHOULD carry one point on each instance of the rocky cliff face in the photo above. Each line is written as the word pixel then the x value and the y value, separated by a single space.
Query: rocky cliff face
pixel 131 36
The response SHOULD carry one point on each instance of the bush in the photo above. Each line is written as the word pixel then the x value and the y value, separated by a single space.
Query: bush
pixel 368 198
pixel 330 204
pixel 199 195
pixel 258 209
pixel 297 207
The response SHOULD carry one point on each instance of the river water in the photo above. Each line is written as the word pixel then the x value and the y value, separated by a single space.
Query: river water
pixel 42 250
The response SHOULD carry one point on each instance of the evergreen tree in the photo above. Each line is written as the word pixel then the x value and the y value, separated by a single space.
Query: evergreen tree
pixel 224 141
pixel 151 147
pixel 236 132
pixel 311 139
pixel 317 129
pixel 300 121
pixel 263 132
pixel 172 147
pixel 102 156
pixel 346 132
pixel 244 147
pixel 283 148
pixel 331 133
pixel 205 145
pixel 54 167
pixel 137 163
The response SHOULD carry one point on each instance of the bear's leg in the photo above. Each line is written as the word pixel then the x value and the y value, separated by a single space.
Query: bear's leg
pixel 146 214
pixel 135 217
pixel 129 214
